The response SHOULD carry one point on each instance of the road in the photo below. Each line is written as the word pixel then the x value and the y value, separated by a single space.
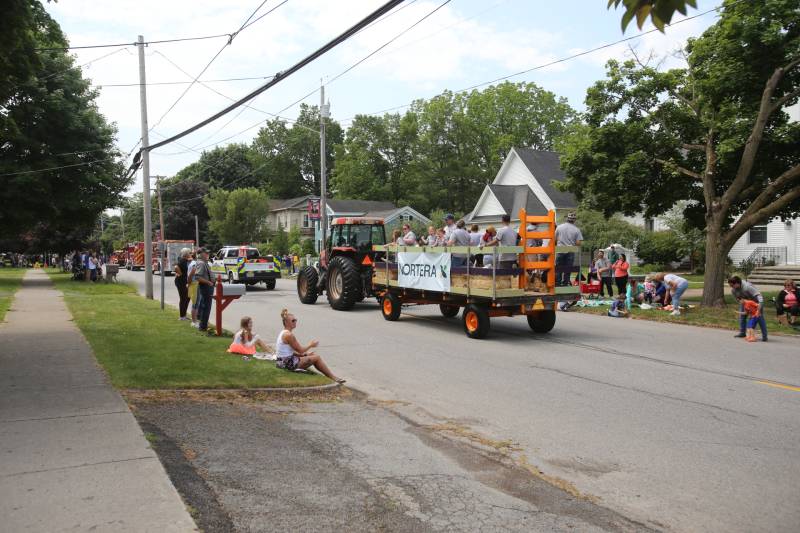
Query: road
pixel 677 427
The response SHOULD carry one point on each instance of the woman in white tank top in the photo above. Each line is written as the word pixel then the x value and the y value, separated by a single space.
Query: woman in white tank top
pixel 292 355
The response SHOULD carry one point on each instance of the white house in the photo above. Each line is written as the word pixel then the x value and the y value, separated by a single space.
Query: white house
pixel 526 180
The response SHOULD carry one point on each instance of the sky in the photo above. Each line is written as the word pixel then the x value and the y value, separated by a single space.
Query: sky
pixel 462 44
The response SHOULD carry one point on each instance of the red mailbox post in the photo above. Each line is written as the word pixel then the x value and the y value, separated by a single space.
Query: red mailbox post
pixel 224 295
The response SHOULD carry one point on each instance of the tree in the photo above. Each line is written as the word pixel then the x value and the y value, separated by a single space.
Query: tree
pixel 227 167
pixel 182 200
pixel 660 11
pixel 58 163
pixel 600 231
pixel 714 134
pixel 288 158
pixel 237 216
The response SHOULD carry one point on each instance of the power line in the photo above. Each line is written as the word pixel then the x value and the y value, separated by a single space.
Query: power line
pixel 345 71
pixel 58 167
pixel 548 64
pixel 228 43
pixel 244 27
pixel 282 75
pixel 117 45
pixel 249 78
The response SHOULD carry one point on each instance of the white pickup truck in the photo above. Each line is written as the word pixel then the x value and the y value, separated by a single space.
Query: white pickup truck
pixel 244 264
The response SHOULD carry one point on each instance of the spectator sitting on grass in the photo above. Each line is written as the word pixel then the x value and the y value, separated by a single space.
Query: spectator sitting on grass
pixel 634 293
pixel 245 342
pixel 292 355
pixel 618 309
pixel 788 303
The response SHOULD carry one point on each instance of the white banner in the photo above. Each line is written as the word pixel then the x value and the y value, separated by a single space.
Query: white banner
pixel 430 272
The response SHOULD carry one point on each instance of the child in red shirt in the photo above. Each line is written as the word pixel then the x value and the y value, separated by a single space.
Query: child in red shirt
pixel 751 310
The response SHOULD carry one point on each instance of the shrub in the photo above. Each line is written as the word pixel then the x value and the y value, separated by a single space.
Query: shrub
pixel 660 247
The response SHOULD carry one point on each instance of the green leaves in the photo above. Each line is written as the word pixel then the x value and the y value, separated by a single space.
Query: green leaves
pixel 659 11
pixel 237 216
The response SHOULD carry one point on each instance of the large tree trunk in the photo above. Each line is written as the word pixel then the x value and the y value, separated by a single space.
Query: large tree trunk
pixel 714 278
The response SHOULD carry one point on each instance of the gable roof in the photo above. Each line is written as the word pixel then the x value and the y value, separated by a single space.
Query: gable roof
pixel 545 166
pixel 512 198
pixel 359 206
pixel 300 202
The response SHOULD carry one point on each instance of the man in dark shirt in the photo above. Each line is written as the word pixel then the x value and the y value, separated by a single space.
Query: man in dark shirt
pixel 205 289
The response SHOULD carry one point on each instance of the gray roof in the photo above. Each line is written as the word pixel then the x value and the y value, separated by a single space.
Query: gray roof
pixel 546 168
pixel 516 197
pixel 299 202
pixel 360 206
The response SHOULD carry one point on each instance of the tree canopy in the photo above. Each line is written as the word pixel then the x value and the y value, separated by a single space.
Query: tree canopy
pixel 237 216
pixel 59 166
pixel 715 133
pixel 659 11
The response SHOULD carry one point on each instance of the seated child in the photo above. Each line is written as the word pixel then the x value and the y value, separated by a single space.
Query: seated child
pixel 649 290
pixel 751 310
pixel 244 342
pixel 618 307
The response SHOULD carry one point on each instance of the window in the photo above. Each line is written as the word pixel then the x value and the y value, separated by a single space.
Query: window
pixel 306 221
pixel 252 253
pixel 649 224
pixel 758 234
pixel 233 252
pixel 406 218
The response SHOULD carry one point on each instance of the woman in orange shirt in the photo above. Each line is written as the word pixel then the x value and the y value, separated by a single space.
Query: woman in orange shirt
pixel 621 273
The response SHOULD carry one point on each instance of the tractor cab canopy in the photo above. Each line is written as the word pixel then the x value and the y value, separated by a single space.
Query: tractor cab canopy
pixel 340 221
pixel 360 236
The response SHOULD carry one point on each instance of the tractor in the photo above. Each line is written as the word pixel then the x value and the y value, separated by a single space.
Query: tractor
pixel 344 271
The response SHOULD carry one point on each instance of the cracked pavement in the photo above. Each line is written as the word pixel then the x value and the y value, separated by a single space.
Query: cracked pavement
pixel 348 464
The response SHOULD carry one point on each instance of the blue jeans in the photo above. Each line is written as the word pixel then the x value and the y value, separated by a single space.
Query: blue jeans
pixel 564 260
pixel 762 323
pixel 458 261
pixel 205 296
pixel 676 297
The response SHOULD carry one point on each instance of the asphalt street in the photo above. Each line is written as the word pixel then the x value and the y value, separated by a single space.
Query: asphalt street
pixel 672 426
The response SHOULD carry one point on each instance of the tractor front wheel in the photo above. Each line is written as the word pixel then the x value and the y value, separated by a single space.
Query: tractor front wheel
pixel 390 307
pixel 476 321
pixel 307 285
pixel 343 283
pixel 542 321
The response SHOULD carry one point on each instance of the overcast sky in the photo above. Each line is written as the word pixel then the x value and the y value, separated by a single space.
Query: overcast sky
pixel 464 43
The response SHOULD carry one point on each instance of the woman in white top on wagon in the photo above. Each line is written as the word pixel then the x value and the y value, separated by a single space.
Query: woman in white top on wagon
pixel 291 354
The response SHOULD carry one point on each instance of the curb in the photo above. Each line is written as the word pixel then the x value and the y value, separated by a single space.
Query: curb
pixel 313 388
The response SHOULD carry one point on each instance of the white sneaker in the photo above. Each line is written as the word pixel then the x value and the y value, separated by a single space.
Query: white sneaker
pixel 196 325
pixel 675 313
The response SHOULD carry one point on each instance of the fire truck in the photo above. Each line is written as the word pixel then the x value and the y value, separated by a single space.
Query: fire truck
pixel 134 256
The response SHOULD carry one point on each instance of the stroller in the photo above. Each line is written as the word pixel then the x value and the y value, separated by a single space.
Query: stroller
pixel 78 270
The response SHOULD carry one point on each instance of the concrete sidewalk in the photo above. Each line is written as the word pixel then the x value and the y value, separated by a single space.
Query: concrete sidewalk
pixel 72 456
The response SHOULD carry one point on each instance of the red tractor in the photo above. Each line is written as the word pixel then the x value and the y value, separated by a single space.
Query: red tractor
pixel 345 267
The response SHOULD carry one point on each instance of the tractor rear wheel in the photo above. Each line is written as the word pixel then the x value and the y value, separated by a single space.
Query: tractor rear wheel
pixel 343 283
pixel 448 311
pixel 476 321
pixel 270 284
pixel 390 307
pixel 307 285
pixel 542 321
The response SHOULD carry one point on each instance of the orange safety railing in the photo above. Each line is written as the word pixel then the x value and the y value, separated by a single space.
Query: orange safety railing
pixel 548 235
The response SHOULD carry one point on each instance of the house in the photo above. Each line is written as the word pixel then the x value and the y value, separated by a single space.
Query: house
pixel 294 212
pixel 526 180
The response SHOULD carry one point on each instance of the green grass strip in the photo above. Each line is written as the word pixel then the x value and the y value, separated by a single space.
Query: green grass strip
pixel 143 347
pixel 722 318
pixel 10 281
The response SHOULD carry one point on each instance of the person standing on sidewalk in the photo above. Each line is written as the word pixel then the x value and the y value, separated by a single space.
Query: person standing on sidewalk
pixel 181 282
pixel 205 289
pixel 744 290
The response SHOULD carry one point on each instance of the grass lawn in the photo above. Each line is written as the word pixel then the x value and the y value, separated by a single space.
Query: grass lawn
pixel 10 280
pixel 142 347
pixel 706 316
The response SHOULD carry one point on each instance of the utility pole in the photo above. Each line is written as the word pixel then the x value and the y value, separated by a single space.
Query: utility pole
pixel 162 246
pixel 196 232
pixel 324 112
pixel 148 231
